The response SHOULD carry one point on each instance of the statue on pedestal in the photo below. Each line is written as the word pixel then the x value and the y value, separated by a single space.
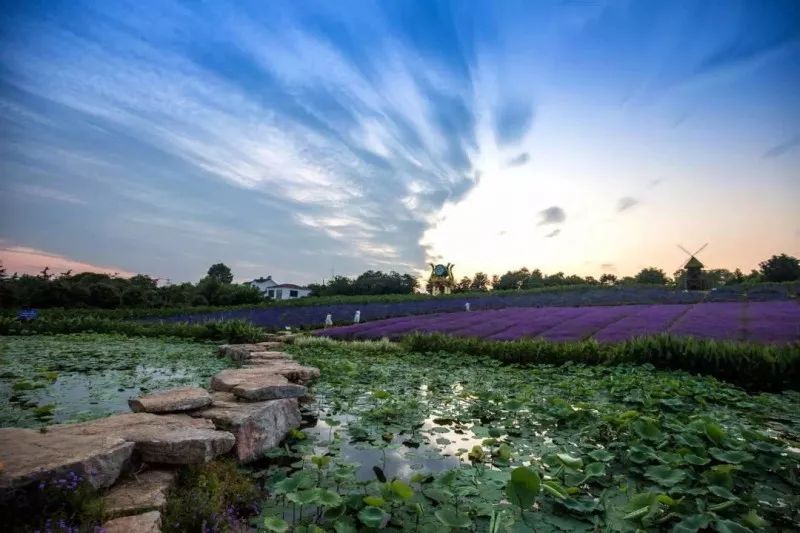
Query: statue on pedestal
pixel 441 280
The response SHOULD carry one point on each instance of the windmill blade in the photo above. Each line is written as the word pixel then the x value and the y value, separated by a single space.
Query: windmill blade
pixel 684 249
pixel 700 249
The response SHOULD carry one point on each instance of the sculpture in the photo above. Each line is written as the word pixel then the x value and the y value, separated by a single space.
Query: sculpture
pixel 441 280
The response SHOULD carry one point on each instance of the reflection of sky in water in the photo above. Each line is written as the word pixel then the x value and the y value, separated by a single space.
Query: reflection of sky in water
pixel 438 446
pixel 85 396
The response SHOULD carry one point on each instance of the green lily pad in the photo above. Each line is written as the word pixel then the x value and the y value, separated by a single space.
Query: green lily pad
pixel 664 475
pixel 523 487
pixel 275 524
pixel 372 516
pixel 730 456
pixel 452 518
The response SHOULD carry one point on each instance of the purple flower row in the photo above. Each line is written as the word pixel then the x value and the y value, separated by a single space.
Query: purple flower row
pixel 314 315
pixel 772 322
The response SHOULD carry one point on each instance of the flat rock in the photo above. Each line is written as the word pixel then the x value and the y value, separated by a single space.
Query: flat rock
pixel 271 345
pixel 170 401
pixel 267 356
pixel 29 456
pixel 258 426
pixel 269 387
pixel 169 439
pixel 141 523
pixel 146 491
pixel 226 380
pixel 237 352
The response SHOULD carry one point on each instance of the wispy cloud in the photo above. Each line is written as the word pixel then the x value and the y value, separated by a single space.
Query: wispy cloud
pixel 553 233
pixel 519 160
pixel 49 194
pixel 780 149
pixel 552 215
pixel 625 203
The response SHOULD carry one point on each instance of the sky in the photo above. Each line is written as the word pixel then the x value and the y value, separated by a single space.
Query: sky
pixel 305 139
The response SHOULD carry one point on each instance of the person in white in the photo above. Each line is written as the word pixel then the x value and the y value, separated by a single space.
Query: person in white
pixel 357 317
pixel 328 321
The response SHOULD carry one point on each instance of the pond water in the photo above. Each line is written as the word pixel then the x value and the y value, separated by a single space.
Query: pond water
pixel 428 442
pixel 64 378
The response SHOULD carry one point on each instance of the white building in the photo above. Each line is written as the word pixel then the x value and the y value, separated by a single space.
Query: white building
pixel 279 291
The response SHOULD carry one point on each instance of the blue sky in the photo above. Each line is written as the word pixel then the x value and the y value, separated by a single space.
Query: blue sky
pixel 304 138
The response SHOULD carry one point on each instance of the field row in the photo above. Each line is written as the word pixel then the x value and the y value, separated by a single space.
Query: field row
pixel 768 322
pixel 311 312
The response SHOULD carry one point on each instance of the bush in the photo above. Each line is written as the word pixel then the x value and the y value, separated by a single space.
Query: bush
pixel 753 366
pixel 232 331
pixel 215 496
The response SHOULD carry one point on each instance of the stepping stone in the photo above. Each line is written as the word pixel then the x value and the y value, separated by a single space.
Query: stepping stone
pixel 226 380
pixel 141 523
pixel 169 439
pixel 169 401
pixel 146 491
pixel 271 345
pixel 267 356
pixel 270 387
pixel 237 352
pixel 258 426
pixel 30 456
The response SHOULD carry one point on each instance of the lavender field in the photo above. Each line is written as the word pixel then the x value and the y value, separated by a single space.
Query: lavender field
pixel 766 322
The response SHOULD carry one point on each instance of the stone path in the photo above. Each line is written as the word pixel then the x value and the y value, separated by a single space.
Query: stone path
pixel 250 410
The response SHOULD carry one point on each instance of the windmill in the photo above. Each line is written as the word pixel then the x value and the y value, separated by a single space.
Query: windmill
pixel 694 270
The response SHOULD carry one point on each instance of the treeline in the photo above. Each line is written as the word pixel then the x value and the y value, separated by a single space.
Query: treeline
pixel 93 290
pixel 777 268
pixel 371 282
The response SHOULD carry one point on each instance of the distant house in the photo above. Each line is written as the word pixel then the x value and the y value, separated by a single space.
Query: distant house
pixel 279 291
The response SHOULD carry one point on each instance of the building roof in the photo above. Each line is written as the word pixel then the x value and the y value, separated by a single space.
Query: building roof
pixel 289 286
pixel 693 263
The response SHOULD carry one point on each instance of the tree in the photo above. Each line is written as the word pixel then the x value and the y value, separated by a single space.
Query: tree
pixel 652 276
pixel 464 284
pixel 513 280
pixel 780 268
pixel 534 280
pixel 221 273
pixel 608 279
pixel 480 282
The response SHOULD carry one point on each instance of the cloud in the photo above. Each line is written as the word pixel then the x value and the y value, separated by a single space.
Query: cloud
pixel 552 233
pixel 49 194
pixel 780 149
pixel 608 266
pixel 552 215
pixel 24 260
pixel 519 160
pixel 625 203
pixel 288 114
pixel 512 119
pixel 747 48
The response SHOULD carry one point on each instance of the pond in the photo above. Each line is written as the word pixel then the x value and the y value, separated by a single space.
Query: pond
pixel 47 379
pixel 429 442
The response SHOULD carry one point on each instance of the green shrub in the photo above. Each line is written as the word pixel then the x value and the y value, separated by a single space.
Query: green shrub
pixel 753 366
pixel 234 331
pixel 215 496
